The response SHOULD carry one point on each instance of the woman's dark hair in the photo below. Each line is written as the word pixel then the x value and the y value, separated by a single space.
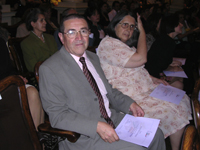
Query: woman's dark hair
pixel 101 5
pixel 168 24
pixel 71 16
pixel 152 23
pixel 111 28
pixel 32 17
pixel 122 4
pixel 89 12
pixel 114 3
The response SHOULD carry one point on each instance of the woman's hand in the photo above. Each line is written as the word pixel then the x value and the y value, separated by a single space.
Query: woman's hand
pixel 176 63
pixel 139 24
pixel 158 81
pixel 174 68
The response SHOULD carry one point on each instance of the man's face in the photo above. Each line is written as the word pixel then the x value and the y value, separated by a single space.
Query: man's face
pixel 79 43
pixel 117 7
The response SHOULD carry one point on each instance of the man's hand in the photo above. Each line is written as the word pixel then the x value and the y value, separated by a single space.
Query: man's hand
pixel 106 132
pixel 136 110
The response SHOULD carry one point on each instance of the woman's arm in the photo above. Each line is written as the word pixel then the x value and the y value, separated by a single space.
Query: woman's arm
pixel 140 57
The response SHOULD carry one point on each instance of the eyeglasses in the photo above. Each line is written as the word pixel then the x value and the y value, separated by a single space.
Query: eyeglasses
pixel 72 33
pixel 126 25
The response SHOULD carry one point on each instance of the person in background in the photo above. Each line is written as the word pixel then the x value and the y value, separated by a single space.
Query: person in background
pixel 71 102
pixel 114 11
pixel 93 18
pixel 103 12
pixel 51 23
pixel 22 31
pixel 34 101
pixel 66 12
pixel 152 28
pixel 123 6
pixel 38 46
pixel 160 55
pixel 123 66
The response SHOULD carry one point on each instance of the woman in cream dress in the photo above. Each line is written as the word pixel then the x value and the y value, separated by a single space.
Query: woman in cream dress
pixel 123 66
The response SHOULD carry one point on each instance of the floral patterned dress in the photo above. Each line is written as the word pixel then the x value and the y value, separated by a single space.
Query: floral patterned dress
pixel 137 83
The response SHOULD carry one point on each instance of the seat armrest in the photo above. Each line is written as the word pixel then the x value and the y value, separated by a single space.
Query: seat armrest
pixel 46 128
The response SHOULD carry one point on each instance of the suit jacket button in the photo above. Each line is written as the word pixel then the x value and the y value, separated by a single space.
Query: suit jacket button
pixel 95 99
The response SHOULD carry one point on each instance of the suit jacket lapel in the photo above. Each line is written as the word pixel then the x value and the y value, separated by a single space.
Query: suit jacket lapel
pixel 73 68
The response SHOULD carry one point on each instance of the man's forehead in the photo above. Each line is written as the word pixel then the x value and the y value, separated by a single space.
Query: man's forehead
pixel 75 23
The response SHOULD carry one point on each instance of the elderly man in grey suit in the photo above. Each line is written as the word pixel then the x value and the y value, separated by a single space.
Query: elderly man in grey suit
pixel 72 102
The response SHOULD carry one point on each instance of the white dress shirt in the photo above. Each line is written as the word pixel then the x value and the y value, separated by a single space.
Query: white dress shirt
pixel 97 79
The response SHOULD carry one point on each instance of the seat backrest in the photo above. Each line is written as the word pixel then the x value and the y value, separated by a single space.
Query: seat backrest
pixel 16 52
pixel 36 69
pixel 17 130
pixel 196 105
pixel 189 139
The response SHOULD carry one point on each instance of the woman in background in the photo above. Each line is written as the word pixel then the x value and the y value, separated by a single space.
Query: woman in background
pixel 104 19
pixel 38 46
pixel 92 15
pixel 160 55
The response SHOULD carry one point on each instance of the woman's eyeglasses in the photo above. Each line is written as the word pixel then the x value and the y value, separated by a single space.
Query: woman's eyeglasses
pixel 126 25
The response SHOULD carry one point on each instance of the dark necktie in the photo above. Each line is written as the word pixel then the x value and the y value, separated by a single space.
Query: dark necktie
pixel 97 92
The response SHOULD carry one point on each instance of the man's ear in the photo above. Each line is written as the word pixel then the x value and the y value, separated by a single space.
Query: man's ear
pixel 61 37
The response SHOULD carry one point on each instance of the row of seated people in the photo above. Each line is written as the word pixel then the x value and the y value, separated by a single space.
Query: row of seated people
pixel 123 65
pixel 38 27
pixel 162 49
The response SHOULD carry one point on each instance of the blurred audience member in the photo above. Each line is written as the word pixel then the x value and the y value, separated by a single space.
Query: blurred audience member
pixel 38 46
pixel 114 11
pixel 97 32
pixel 51 23
pixel 103 12
pixel 66 12
pixel 123 6
pixel 22 30
pixel 152 29
pixel 160 55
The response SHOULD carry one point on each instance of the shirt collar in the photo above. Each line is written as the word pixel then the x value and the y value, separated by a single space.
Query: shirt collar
pixel 76 58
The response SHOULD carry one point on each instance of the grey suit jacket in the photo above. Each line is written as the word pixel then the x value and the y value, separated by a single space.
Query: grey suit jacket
pixel 71 103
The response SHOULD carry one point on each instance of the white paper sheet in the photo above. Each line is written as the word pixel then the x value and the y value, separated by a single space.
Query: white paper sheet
pixel 168 93
pixel 182 60
pixel 175 74
pixel 137 130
